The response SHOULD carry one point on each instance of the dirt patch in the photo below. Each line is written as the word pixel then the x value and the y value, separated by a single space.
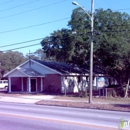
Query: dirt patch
pixel 101 103
pixel 111 100
pixel 112 107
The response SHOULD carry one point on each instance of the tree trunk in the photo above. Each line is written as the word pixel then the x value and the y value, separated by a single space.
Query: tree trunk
pixel 127 87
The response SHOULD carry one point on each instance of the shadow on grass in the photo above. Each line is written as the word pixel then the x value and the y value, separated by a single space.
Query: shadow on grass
pixel 3 91
pixel 62 94
pixel 122 105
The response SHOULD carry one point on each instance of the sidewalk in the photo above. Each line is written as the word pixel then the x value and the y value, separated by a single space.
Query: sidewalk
pixel 33 98
pixel 25 98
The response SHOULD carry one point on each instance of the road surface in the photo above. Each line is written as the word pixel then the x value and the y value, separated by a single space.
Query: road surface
pixel 15 116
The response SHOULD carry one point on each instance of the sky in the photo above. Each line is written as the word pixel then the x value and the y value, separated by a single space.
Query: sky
pixel 24 23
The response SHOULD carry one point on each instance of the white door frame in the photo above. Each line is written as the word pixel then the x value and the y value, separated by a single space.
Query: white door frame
pixel 36 82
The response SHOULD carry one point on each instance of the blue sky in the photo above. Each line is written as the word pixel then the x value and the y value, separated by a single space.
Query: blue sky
pixel 25 20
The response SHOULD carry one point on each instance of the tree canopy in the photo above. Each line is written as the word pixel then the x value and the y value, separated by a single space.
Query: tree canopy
pixel 9 60
pixel 113 48
pixel 111 42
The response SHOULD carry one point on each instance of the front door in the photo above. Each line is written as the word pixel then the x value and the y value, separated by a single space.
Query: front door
pixel 33 85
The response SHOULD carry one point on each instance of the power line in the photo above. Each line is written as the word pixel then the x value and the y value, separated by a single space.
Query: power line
pixel 53 22
pixel 18 6
pixel 25 46
pixel 32 9
pixel 117 31
pixel 21 47
pixel 41 24
pixel 114 9
pixel 106 3
pixel 122 9
pixel 117 9
pixel 42 38
pixel 34 25
pixel 20 42
pixel 6 2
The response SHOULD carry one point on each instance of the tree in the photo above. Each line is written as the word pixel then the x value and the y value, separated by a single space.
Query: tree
pixel 65 46
pixel 10 60
pixel 111 48
pixel 59 46
pixel 113 45
pixel 38 55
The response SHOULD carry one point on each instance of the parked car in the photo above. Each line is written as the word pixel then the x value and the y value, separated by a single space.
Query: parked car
pixel 3 84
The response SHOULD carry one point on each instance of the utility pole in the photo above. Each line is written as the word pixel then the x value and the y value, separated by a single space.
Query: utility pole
pixel 91 47
pixel 91 53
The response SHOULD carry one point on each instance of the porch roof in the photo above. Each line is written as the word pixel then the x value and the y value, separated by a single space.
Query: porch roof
pixel 30 72
pixel 61 67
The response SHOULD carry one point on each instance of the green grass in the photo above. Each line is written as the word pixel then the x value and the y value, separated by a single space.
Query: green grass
pixel 110 100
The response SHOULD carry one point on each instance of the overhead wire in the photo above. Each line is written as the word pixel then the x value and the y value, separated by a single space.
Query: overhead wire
pixel 122 9
pixel 21 42
pixel 31 27
pixel 42 38
pixel 25 42
pixel 32 9
pixel 114 9
pixel 34 25
pixel 6 2
pixel 106 3
pixel 18 6
pixel 21 47
pixel 115 24
pixel 116 31
pixel 40 25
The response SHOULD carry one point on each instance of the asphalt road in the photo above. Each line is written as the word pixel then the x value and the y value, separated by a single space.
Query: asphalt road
pixel 15 116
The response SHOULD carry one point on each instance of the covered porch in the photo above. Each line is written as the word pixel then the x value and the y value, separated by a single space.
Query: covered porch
pixel 25 80
pixel 25 84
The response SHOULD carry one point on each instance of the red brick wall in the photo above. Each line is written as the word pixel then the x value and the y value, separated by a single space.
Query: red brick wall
pixel 15 84
pixel 38 84
pixel 52 83
pixel 25 84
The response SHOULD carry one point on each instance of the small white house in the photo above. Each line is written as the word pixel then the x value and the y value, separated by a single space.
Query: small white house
pixel 46 76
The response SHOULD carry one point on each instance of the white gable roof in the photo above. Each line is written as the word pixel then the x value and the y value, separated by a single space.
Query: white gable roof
pixel 42 69
pixel 17 73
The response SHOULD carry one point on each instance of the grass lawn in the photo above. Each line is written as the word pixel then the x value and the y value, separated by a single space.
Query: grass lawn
pixel 104 100
pixel 71 100
pixel 101 103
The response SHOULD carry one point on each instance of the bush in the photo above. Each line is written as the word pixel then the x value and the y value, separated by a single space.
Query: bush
pixel 83 94
pixel 116 92
pixel 129 93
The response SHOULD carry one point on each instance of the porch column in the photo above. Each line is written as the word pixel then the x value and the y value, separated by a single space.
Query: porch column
pixel 36 85
pixel 41 84
pixel 22 84
pixel 29 85
pixel 94 82
pixel 97 82
pixel 9 84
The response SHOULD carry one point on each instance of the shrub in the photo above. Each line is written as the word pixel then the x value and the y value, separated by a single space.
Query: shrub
pixel 116 92
pixel 83 94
